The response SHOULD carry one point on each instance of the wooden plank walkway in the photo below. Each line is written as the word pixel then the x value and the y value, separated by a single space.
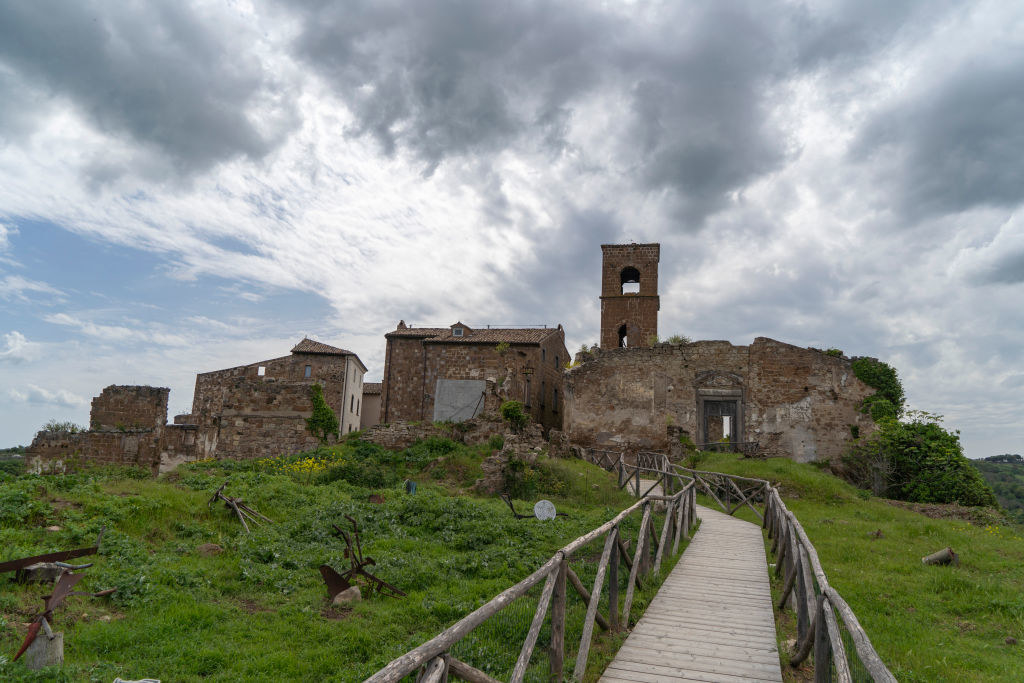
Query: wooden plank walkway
pixel 712 618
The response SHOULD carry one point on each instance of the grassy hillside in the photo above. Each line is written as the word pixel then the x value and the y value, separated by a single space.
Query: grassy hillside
pixel 1005 474
pixel 928 623
pixel 257 610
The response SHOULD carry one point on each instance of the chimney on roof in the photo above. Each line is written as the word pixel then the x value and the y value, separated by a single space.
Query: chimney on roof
pixel 401 325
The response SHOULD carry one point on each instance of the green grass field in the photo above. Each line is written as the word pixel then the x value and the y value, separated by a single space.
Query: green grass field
pixel 258 610
pixel 928 623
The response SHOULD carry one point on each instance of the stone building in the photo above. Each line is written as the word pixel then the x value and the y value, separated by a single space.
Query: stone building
pixel 128 426
pixel 371 405
pixel 769 397
pixel 629 294
pixel 250 411
pixel 455 373
pixel 260 409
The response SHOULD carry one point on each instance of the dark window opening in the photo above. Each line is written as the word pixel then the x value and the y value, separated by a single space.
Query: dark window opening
pixel 623 340
pixel 526 400
pixel 554 402
pixel 543 393
pixel 630 279
pixel 357 405
pixel 309 371
pixel 543 354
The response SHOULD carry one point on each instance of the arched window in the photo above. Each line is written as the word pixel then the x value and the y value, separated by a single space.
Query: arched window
pixel 623 341
pixel 630 279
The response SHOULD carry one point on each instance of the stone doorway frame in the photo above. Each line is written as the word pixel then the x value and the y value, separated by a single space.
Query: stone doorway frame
pixel 715 386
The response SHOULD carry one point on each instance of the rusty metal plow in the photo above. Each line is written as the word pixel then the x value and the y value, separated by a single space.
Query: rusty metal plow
pixel 336 583
pixel 241 509
pixel 51 602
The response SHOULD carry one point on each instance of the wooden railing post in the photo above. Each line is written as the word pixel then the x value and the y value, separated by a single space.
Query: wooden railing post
pixel 557 656
pixel 638 477
pixel 637 559
pixel 613 585
pixel 595 599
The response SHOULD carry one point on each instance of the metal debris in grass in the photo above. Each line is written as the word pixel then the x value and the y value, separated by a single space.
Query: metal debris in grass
pixel 241 509
pixel 336 583
pixel 542 510
pixel 61 592
pixel 57 557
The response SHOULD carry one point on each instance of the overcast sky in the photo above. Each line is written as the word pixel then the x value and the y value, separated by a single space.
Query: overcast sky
pixel 187 186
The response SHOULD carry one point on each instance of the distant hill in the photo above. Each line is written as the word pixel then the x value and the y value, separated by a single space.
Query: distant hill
pixel 1005 474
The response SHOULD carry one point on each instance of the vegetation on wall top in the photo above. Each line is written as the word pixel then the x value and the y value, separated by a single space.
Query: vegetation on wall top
pixel 888 400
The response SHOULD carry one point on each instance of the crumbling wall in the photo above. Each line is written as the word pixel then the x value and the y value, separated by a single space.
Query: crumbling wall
pixel 245 416
pixel 129 428
pixel 59 452
pixel 791 401
pixel 129 407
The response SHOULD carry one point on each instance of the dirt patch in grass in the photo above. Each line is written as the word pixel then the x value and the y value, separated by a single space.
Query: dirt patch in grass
pixel 252 607
pixel 978 516
pixel 335 613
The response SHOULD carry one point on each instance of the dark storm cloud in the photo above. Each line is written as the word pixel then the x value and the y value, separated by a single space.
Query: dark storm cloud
pixel 955 146
pixel 155 71
pixel 461 78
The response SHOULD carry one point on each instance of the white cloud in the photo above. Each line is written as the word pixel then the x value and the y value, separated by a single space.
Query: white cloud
pixel 152 333
pixel 17 348
pixel 16 286
pixel 34 394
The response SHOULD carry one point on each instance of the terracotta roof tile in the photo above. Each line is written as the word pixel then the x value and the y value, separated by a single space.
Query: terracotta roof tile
pixel 309 346
pixel 372 387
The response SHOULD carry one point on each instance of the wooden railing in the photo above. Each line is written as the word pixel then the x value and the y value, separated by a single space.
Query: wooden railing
pixel 797 563
pixel 433 661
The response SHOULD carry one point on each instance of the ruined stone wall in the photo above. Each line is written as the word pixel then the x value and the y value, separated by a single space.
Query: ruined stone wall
pixel 59 452
pixel 129 407
pixel 247 416
pixel 414 366
pixel 242 414
pixel 791 401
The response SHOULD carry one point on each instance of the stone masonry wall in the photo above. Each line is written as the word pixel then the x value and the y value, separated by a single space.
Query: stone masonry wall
pixel 59 452
pixel 129 407
pixel 241 414
pixel 413 368
pixel 792 401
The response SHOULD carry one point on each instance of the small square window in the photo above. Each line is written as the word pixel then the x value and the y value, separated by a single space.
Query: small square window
pixel 457 331
pixel 261 371
pixel 309 371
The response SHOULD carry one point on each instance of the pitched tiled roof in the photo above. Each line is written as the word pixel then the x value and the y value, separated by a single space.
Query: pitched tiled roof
pixel 443 335
pixel 309 346
pixel 372 387
pixel 418 332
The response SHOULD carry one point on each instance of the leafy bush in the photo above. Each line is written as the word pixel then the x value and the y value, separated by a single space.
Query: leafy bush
pixel 323 422
pixel 917 461
pixel 679 339
pixel 496 442
pixel 513 413
pixel 62 426
pixel 888 401
pixel 526 481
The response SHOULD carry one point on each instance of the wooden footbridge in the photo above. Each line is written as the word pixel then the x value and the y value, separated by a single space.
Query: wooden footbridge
pixel 712 618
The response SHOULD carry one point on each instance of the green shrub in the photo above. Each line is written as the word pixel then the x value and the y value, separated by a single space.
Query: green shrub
pixel 882 377
pixel 917 461
pixel 323 422
pixel 513 413
pixel 527 481
pixel 496 442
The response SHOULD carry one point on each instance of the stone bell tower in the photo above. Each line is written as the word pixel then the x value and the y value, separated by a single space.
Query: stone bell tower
pixel 629 294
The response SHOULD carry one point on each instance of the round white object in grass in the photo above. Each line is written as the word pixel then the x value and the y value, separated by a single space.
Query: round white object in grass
pixel 544 510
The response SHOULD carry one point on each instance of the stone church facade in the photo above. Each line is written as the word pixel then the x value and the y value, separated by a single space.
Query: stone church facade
pixel 768 398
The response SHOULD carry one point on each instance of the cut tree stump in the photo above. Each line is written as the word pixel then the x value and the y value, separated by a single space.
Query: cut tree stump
pixel 944 556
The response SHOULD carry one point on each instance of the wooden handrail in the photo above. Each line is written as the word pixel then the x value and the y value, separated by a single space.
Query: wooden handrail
pixel 805 582
pixel 433 654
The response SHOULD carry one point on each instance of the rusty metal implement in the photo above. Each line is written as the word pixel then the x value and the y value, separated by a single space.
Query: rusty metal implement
pixel 13 565
pixel 61 591
pixel 238 505
pixel 336 583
